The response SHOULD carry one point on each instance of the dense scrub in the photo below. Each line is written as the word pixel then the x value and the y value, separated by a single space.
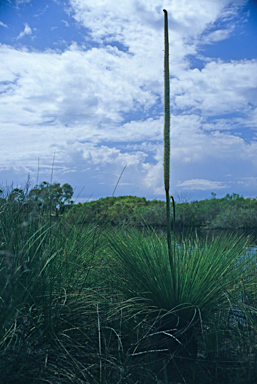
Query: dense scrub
pixel 91 304
pixel 232 211
pixel 113 210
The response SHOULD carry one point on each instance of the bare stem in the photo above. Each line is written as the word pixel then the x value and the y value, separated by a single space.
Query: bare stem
pixel 167 133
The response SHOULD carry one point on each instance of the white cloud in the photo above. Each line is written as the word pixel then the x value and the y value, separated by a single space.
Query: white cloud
pixel 27 31
pixel 3 25
pixel 41 11
pixel 218 35
pixel 66 23
pixel 202 184
pixel 218 88
pixel 100 109
pixel 106 155
pixel 73 88
pixel 132 18
pixel 22 1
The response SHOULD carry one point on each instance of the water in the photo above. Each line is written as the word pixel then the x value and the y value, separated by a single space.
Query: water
pixel 202 233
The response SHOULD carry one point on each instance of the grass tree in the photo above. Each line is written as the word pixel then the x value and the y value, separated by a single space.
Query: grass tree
pixel 186 282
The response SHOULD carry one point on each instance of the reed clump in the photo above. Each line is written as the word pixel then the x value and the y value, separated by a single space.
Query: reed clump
pixel 91 304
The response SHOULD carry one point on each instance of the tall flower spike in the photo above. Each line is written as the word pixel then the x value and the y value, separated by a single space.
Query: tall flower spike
pixel 166 164
pixel 166 105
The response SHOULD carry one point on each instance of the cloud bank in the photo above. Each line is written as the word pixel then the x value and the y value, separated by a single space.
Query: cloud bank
pixel 99 105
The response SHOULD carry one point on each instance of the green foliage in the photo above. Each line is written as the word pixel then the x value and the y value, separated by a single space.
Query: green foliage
pixel 39 258
pixel 49 292
pixel 87 304
pixel 111 210
pixel 210 285
pixel 232 211
pixel 153 215
pixel 206 276
pixel 51 196
pixel 235 218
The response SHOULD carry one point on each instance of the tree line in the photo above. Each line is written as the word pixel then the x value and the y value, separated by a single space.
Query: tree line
pixel 232 211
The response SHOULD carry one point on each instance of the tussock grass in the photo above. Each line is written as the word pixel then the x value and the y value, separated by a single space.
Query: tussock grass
pixel 206 275
pixel 82 304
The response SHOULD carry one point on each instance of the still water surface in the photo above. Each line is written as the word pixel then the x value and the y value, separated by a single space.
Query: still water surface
pixel 208 234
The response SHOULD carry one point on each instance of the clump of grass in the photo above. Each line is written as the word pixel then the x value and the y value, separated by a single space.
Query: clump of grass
pixel 207 275
pixel 58 309
pixel 207 293
pixel 48 297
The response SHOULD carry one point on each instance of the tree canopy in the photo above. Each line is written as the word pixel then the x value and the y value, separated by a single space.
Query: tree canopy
pixel 44 197
pixel 54 196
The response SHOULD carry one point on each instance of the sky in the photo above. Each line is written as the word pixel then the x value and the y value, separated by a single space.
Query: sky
pixel 81 96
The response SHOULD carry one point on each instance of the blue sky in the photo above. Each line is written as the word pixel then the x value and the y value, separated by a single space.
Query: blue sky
pixel 81 82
